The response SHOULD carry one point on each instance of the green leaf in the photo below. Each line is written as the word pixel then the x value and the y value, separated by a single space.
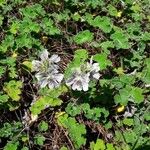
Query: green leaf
pixel 147 115
pixel 48 27
pixel 10 129
pixel 11 146
pixel 108 125
pixel 91 113
pixel 94 3
pixel 49 99
pixel 121 40
pixel 129 93
pixel 137 94
pixel 146 36
pixel 25 148
pixel 27 64
pixel 33 11
pixel 128 121
pixel 8 42
pixel 83 37
pixel 14 27
pixel 10 62
pixel 99 145
pixel 43 126
pixel 110 146
pixel 44 102
pixel 53 93
pixel 75 16
pixel 1 20
pixel 88 17
pixel 2 2
pixel 24 40
pixel 145 76
pixel 39 139
pixel 81 54
pixel 13 89
pixel 73 110
pixel 130 136
pixel 104 23
pixel 76 131
pixel 64 16
pixel 27 26
pixel 3 98
pixel 107 44
pixel 102 60
pixel 63 148
pixel 2 70
pixel 112 10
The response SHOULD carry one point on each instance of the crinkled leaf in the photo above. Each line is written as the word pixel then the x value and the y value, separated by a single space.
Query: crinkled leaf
pixel 104 23
pixel 102 60
pixel 13 89
pixel 83 37
pixel 99 145
pixel 128 121
pixel 121 40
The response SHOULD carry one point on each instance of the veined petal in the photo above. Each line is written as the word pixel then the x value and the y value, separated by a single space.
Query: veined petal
pixel 96 76
pixel 74 86
pixel 38 76
pixel 56 84
pixel 95 67
pixel 43 83
pixel 77 86
pixel 55 58
pixel 85 86
pixel 53 67
pixel 52 71
pixel 36 65
pixel 51 85
pixel 70 81
pixel 59 77
pixel 44 55
pixel 85 77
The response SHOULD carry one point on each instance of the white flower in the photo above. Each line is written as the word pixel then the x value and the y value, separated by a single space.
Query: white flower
pixel 52 79
pixel 46 63
pixel 47 69
pixel 94 69
pixel 79 81
pixel 81 76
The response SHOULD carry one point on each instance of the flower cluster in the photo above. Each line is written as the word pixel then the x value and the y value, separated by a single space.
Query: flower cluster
pixel 47 70
pixel 81 76
pixel 48 73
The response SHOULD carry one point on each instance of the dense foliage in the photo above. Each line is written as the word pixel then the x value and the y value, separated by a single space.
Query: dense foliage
pixel 75 74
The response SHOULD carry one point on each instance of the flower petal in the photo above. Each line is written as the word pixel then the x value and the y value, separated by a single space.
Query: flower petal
pixel 59 77
pixel 44 55
pixel 96 76
pixel 70 81
pixel 74 86
pixel 38 76
pixel 43 83
pixel 77 85
pixel 36 65
pixel 51 85
pixel 85 86
pixel 55 58
pixel 85 77
pixel 95 67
